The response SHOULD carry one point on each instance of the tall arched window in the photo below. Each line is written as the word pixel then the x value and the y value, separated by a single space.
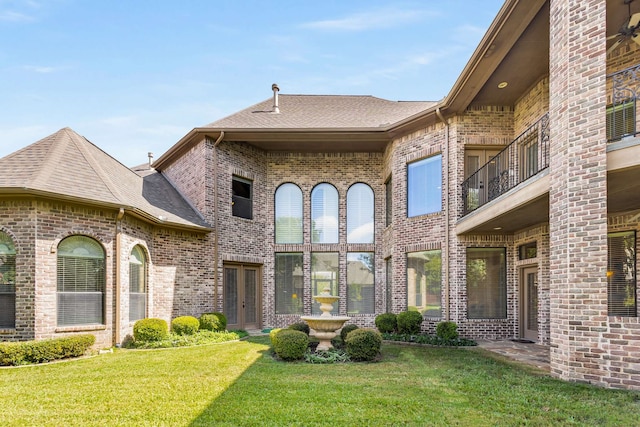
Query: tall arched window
pixel 81 281
pixel 137 284
pixel 7 282
pixel 324 214
pixel 360 214
pixel 288 214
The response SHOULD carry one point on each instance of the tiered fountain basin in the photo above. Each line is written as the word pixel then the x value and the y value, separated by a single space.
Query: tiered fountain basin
pixel 325 325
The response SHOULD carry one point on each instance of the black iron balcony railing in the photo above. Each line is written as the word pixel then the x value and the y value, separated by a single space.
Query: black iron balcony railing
pixel 621 113
pixel 523 158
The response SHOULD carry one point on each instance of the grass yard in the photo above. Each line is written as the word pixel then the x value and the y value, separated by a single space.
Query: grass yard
pixel 239 384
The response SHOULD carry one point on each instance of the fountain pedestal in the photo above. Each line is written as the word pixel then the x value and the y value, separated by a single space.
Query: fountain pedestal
pixel 325 325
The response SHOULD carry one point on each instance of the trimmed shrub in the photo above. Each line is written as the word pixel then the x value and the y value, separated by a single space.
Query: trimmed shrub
pixel 363 344
pixel 291 344
pixel 300 326
pixel 213 322
pixel 21 353
pixel 185 325
pixel 447 330
pixel 409 322
pixel 345 331
pixel 272 335
pixel 150 329
pixel 386 323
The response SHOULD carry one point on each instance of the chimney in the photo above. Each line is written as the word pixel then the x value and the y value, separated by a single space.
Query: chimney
pixel 150 155
pixel 276 108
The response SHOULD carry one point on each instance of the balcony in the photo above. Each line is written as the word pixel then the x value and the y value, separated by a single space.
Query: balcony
pixel 621 111
pixel 522 159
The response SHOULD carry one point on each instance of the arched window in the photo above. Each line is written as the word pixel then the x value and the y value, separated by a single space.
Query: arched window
pixel 288 214
pixel 360 214
pixel 7 282
pixel 81 281
pixel 324 214
pixel 137 284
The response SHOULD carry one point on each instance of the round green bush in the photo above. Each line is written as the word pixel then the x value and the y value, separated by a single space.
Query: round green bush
pixel 345 331
pixel 447 330
pixel 150 329
pixel 409 322
pixel 291 344
pixel 300 326
pixel 364 344
pixel 386 323
pixel 213 322
pixel 185 325
pixel 272 335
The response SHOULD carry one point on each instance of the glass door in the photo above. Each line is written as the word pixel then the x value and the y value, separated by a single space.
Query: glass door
pixel 529 311
pixel 242 296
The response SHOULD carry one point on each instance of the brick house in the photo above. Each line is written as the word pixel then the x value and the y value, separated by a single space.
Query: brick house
pixel 510 207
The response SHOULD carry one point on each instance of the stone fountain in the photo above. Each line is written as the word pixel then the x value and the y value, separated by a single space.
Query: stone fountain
pixel 325 325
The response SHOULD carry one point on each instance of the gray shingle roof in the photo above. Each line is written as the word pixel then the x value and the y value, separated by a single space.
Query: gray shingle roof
pixel 67 164
pixel 322 112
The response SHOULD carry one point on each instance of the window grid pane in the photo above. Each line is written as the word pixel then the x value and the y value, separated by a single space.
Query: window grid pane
pixel 424 274
pixel 7 282
pixel 324 273
pixel 324 214
pixel 288 214
pixel 360 283
pixel 621 274
pixel 486 283
pixel 289 283
pixel 424 182
pixel 137 285
pixel 360 212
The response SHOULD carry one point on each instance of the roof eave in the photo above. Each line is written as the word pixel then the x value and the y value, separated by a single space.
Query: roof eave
pixel 137 212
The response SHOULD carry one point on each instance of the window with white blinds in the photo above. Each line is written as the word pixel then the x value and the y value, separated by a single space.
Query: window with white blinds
pixel 81 281
pixel 621 274
pixel 7 282
pixel 137 284
pixel 324 214
pixel 360 214
pixel 360 283
pixel 288 214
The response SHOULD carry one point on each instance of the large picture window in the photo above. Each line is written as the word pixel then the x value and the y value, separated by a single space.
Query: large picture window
pixel 360 283
pixel 288 214
pixel 7 282
pixel 81 281
pixel 360 214
pixel 137 284
pixel 289 283
pixel 324 274
pixel 424 182
pixel 621 274
pixel 324 214
pixel 424 273
pixel 486 283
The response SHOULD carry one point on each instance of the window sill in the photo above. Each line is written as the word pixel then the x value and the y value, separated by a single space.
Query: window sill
pixel 7 331
pixel 81 328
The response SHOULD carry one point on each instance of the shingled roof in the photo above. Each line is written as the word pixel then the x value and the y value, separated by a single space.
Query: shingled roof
pixel 322 112
pixel 66 165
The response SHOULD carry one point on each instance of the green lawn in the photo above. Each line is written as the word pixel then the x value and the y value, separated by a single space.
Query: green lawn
pixel 238 383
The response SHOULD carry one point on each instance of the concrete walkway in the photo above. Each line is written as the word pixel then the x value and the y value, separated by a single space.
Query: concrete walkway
pixel 529 353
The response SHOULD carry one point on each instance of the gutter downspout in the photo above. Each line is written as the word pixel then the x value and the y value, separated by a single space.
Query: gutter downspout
pixel 216 254
pixel 116 335
pixel 447 314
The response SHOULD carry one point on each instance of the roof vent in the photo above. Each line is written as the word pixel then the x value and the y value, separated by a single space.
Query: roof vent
pixel 275 89
pixel 150 154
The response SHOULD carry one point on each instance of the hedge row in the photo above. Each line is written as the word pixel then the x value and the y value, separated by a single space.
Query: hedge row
pixel 23 353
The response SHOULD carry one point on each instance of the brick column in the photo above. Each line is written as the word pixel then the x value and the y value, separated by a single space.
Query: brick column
pixel 578 193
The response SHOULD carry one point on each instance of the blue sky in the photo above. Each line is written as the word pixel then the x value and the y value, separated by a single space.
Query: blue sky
pixel 136 76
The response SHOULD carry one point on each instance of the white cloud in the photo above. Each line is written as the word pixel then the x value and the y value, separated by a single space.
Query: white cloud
pixel 11 16
pixel 382 18
pixel 42 69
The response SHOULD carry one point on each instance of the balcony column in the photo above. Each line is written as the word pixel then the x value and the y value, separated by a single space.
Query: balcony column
pixel 578 188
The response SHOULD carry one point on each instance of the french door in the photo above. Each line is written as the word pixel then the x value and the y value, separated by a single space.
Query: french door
pixel 242 290
pixel 529 303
